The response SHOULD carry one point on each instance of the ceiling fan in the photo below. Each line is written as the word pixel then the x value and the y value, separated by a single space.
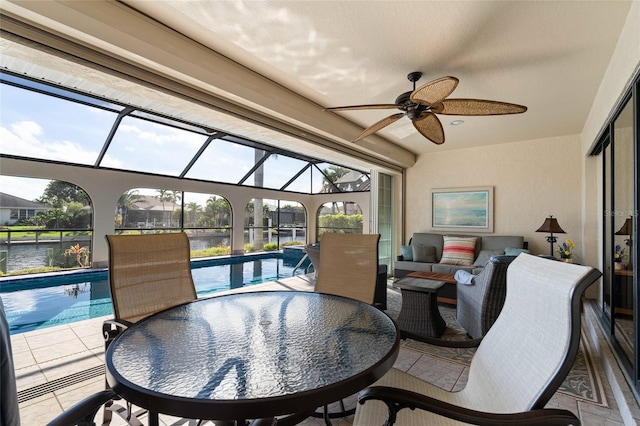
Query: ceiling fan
pixel 422 104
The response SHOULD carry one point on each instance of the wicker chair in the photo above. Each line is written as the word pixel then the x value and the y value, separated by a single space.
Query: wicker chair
pixel 148 273
pixel 518 365
pixel 480 303
pixel 82 413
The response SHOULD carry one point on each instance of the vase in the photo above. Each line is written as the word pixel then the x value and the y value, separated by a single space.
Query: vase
pixel 618 265
pixel 567 259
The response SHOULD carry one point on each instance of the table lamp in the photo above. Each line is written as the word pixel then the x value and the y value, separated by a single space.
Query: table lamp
pixel 551 226
pixel 627 229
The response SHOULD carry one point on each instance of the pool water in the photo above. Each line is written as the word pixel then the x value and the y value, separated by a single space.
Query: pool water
pixel 36 308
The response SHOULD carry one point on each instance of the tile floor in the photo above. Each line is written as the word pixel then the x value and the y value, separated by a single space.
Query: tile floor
pixel 48 363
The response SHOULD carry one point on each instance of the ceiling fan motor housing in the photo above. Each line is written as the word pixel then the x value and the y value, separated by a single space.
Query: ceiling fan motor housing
pixel 412 109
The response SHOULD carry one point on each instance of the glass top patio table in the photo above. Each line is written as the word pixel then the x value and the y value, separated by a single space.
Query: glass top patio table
pixel 252 355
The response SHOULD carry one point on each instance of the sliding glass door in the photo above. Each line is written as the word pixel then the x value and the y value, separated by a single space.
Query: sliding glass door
pixel 619 148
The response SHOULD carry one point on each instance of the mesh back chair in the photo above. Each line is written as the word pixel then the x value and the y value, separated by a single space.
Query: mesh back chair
pixel 480 302
pixel 148 273
pixel 348 265
pixel 313 251
pixel 82 413
pixel 518 366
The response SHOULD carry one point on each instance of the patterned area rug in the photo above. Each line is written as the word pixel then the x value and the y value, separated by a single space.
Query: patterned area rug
pixel 582 382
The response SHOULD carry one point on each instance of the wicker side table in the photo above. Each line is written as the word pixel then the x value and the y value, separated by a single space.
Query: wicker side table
pixel 419 313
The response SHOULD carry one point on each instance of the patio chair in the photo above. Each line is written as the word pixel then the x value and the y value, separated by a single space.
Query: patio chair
pixel 148 273
pixel 313 251
pixel 82 413
pixel 348 265
pixel 518 366
pixel 480 302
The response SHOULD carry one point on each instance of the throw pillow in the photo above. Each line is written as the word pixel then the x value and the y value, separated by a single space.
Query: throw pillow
pixel 407 253
pixel 484 256
pixel 510 251
pixel 458 250
pixel 424 254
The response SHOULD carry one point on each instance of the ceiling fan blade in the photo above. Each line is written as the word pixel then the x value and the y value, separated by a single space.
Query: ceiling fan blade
pixel 379 125
pixel 479 107
pixel 356 107
pixel 430 127
pixel 434 91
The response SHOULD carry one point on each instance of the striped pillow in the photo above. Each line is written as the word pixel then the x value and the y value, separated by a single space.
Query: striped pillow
pixel 459 250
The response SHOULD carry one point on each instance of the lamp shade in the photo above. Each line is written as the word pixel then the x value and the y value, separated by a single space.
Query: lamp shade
pixel 551 226
pixel 627 228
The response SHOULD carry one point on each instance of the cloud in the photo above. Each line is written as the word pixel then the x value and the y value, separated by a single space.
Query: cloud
pixel 27 139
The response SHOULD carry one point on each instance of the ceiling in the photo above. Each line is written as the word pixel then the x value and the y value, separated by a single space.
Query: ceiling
pixel 287 60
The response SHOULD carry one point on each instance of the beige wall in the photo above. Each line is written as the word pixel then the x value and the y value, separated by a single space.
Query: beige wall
pixel 531 181
pixel 625 61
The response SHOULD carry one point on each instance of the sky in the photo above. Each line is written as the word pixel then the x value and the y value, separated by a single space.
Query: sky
pixel 40 126
pixel 26 188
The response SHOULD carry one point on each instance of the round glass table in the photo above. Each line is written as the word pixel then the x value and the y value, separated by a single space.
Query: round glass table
pixel 252 355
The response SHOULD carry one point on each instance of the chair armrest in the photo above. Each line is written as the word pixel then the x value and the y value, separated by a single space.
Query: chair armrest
pixel 396 399
pixel 469 343
pixel 112 327
pixel 84 411
pixel 115 323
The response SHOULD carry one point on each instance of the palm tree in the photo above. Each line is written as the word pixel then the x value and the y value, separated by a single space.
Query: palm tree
pixel 165 196
pixel 331 175
pixel 258 236
pixel 193 208
pixel 126 202
pixel 176 197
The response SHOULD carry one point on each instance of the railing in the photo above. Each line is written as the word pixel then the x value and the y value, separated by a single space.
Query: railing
pixel 15 236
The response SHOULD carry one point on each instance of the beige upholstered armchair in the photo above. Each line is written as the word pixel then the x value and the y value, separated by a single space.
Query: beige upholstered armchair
pixel 518 365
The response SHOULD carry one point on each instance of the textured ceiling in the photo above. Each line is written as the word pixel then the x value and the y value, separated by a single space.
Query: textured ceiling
pixel 547 55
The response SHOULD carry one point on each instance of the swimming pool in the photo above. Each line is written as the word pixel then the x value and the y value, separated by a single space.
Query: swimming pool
pixel 39 302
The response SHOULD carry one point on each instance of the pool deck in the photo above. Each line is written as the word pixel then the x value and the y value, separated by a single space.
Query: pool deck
pixel 58 366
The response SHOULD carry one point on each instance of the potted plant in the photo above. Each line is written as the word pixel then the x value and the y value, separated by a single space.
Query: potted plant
pixel 566 251
pixel 618 257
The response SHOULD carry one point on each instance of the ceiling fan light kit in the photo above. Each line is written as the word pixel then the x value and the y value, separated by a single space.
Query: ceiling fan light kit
pixel 422 104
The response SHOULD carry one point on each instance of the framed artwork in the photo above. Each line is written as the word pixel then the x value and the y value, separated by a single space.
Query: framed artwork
pixel 459 209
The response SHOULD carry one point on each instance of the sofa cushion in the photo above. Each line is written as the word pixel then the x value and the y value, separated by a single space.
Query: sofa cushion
pixel 484 257
pixel 500 242
pixel 402 265
pixel 407 252
pixel 458 250
pixel 512 251
pixel 450 269
pixel 428 239
pixel 422 253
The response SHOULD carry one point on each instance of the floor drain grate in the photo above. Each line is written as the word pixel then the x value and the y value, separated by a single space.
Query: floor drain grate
pixel 61 383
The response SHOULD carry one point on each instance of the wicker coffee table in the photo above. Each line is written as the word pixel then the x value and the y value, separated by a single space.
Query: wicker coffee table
pixel 419 314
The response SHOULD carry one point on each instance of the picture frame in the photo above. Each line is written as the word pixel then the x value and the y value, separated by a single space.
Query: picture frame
pixel 462 209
